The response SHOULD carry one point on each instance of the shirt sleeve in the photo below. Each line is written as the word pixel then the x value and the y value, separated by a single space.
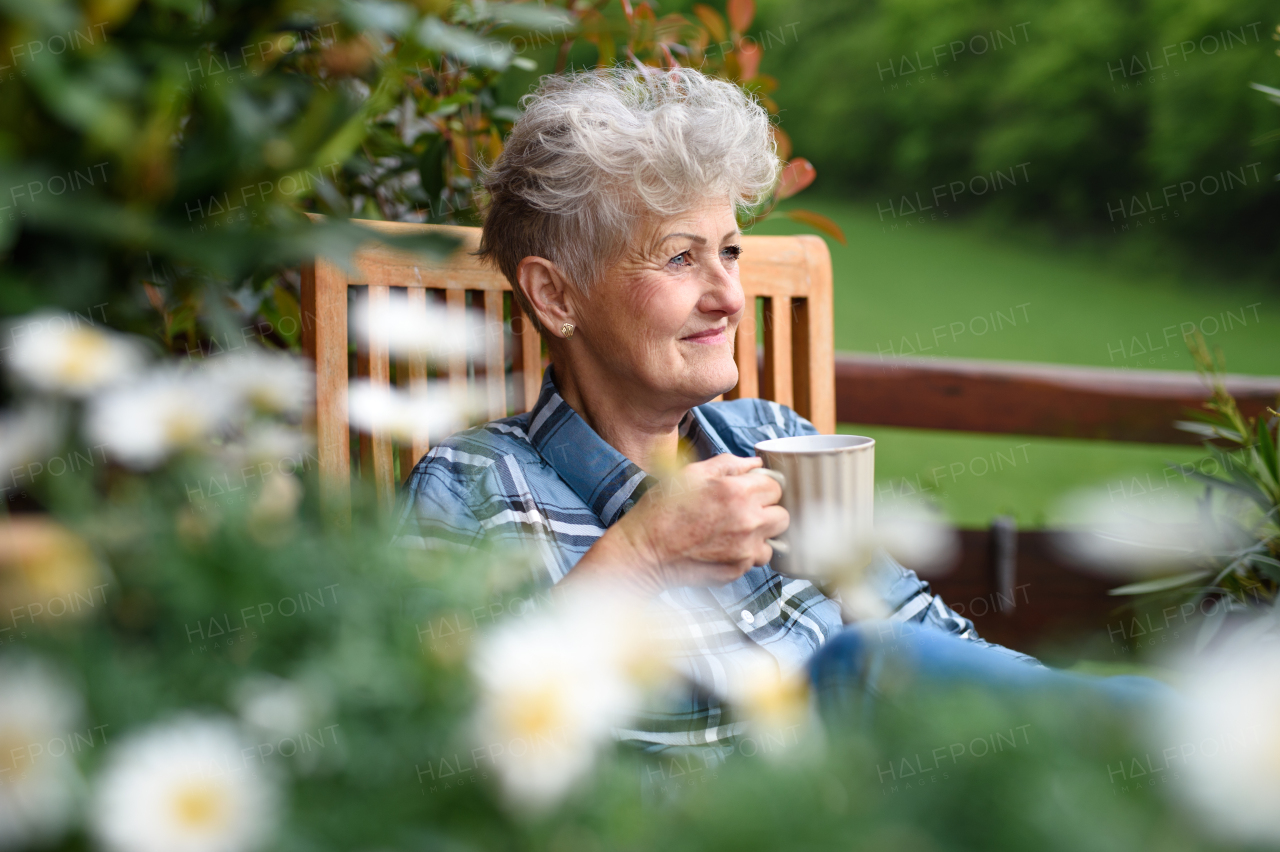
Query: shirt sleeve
pixel 433 513
pixel 910 599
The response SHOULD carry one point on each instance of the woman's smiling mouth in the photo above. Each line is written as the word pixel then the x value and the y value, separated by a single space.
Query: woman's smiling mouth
pixel 710 337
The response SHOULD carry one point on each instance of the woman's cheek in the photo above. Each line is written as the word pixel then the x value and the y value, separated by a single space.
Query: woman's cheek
pixel 659 310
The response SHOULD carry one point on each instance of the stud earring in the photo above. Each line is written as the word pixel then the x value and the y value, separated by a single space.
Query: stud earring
pixel 567 330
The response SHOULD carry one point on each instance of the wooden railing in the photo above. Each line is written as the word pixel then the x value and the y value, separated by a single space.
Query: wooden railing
pixel 1003 397
pixel 1016 587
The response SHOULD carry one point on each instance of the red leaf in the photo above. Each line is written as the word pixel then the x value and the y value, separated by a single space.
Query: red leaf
pixel 740 14
pixel 749 60
pixel 819 223
pixel 626 10
pixel 797 175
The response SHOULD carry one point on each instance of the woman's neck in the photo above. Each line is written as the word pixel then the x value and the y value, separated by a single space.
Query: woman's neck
pixel 646 435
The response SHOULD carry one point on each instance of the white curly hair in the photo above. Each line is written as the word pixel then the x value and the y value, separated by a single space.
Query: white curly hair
pixel 596 153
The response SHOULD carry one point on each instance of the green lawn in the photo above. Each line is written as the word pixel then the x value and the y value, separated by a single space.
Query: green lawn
pixel 963 290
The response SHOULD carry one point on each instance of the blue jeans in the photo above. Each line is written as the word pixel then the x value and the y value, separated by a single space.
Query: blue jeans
pixel 867 662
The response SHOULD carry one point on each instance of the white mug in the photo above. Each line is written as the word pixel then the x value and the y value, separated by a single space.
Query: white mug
pixel 828 488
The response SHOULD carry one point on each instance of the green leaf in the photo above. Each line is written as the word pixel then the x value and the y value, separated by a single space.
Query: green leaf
pixel 287 307
pixel 1202 429
pixel 1266 564
pixel 1159 585
pixel 464 44
pixel 379 15
pixel 431 167
pixel 1273 95
pixel 1213 482
pixel 1210 627
pixel 538 18
pixel 1267 449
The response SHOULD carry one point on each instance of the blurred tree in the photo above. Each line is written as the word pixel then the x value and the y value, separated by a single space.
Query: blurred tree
pixel 1109 106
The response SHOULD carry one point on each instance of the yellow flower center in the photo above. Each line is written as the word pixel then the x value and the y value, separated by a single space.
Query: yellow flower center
pixel 784 700
pixel 646 667
pixel 15 758
pixel 81 355
pixel 200 806
pixel 537 714
pixel 182 427
pixel 46 561
pixel 263 399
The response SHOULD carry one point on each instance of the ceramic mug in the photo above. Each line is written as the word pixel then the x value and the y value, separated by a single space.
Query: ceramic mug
pixel 828 488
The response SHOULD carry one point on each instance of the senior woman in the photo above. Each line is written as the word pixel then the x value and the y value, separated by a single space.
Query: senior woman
pixel 613 213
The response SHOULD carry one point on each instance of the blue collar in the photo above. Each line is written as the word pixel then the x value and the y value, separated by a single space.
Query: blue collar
pixel 604 478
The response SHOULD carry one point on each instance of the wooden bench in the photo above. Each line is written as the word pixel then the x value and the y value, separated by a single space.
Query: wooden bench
pixel 789 276
pixel 1012 583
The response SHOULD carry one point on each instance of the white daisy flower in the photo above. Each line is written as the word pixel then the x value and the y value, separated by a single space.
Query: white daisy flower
pixel 772 701
pixel 275 707
pixel 835 547
pixel 42 562
pixel 1223 742
pixel 289 718
pixel 171 409
pixel 271 516
pixel 39 783
pixel 636 637
pixel 26 436
pixel 916 536
pixel 268 381
pixel 827 543
pixel 834 550
pixel 431 330
pixel 550 697
pixel 60 353
pixel 183 787
pixel 403 415
pixel 859 601
pixel 268 447
pixel 1149 535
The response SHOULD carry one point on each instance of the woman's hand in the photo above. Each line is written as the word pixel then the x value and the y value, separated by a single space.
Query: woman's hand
pixel 707 526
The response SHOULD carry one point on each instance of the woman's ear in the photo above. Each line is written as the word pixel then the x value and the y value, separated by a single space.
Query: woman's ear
pixel 548 292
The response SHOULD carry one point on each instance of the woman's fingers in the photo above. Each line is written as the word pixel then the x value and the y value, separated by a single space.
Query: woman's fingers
pixel 774 521
pixel 730 571
pixel 727 464
pixel 714 527
pixel 764 486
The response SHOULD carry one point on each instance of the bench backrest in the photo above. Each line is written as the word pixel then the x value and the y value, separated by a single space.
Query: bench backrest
pixel 791 276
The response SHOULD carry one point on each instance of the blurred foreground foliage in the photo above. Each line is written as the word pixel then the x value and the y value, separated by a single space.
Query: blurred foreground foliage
pixel 199 604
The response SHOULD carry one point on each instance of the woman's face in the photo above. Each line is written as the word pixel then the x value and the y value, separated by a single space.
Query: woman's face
pixel 663 319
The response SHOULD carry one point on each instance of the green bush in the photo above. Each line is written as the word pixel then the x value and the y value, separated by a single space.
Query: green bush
pixel 1102 101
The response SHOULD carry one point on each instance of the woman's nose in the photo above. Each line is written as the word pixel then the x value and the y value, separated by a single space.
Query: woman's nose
pixel 724 293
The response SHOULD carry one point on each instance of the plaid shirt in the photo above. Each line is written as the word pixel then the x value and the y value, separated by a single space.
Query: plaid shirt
pixel 545 479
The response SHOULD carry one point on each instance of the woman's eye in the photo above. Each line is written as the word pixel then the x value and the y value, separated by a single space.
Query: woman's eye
pixel 682 259
pixel 731 252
